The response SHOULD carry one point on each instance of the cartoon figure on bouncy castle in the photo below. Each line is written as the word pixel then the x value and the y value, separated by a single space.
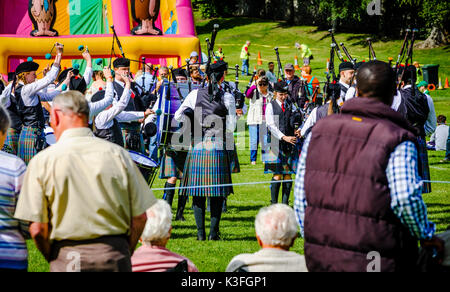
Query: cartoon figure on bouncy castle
pixel 145 12
pixel 43 15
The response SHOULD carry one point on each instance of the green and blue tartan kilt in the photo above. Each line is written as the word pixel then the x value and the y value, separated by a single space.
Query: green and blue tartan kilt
pixel 172 164
pixel 285 163
pixel 207 164
pixel 424 168
pixel 27 143
pixel 127 128
pixel 12 141
pixel 235 167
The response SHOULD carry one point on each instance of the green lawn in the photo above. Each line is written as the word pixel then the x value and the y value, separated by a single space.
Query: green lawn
pixel 237 225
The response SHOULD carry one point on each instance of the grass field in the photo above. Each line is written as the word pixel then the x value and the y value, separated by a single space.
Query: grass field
pixel 237 225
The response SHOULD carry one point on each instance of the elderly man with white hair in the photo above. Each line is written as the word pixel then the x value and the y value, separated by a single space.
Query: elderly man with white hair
pixel 276 231
pixel 153 256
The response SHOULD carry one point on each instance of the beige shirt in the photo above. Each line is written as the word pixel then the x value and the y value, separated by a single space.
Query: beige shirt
pixel 268 260
pixel 84 187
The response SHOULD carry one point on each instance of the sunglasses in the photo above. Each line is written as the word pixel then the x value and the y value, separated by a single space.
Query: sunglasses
pixel 263 84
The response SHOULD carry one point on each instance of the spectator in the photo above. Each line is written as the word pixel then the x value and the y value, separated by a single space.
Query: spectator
pixel 153 256
pixel 84 196
pixel 447 152
pixel 256 115
pixel 13 248
pixel 311 81
pixel 366 195
pixel 163 74
pixel 271 74
pixel 423 87
pixel 438 140
pixel 194 58
pixel 297 94
pixel 306 53
pixel 245 57
pixel 219 54
pixel 276 231
pixel 146 80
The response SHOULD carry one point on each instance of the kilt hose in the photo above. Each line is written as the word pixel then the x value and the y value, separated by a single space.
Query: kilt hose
pixel 424 168
pixel 12 141
pixel 27 143
pixel 172 164
pixel 207 163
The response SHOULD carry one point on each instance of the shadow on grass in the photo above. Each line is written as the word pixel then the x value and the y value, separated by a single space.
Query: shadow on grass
pixel 226 23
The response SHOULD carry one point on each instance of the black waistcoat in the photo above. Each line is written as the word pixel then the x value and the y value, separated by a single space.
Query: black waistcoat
pixel 113 134
pixel 32 116
pixel 213 113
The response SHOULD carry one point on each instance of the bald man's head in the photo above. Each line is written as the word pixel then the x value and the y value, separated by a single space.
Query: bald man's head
pixel 376 79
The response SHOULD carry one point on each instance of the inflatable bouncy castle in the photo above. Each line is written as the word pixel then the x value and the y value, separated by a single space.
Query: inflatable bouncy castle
pixel 161 31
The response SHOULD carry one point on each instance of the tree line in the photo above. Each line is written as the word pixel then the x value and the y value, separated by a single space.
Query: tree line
pixel 385 18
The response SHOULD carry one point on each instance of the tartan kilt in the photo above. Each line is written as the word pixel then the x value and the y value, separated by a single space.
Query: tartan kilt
pixel 27 142
pixel 128 128
pixel 424 168
pixel 285 163
pixel 172 164
pixel 207 164
pixel 12 141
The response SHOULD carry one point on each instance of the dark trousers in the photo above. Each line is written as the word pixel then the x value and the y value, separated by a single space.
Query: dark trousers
pixel 103 254
pixel 199 205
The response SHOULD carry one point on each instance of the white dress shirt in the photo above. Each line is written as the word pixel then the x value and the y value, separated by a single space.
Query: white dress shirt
pixel 32 92
pixel 342 96
pixel 96 108
pixel 396 101
pixel 105 119
pixel 351 93
pixel 270 120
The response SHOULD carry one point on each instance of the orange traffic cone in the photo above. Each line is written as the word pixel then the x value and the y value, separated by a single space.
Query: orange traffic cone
pixel 297 67
pixel 259 59
pixel 446 83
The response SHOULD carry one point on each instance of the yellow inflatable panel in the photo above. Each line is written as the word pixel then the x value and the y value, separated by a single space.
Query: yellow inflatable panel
pixel 99 47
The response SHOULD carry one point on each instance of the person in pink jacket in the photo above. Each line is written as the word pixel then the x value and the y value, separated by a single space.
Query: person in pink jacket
pixel 153 256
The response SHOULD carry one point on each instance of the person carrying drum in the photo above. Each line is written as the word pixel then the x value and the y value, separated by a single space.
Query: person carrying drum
pixel 131 131
pixel 213 112
pixel 172 163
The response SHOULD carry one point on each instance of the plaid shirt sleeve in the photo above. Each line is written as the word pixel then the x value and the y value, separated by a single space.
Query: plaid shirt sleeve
pixel 404 182
pixel 406 191
pixel 299 190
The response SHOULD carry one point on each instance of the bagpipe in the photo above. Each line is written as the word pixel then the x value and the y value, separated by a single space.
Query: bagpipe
pixel 332 90
pixel 407 50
